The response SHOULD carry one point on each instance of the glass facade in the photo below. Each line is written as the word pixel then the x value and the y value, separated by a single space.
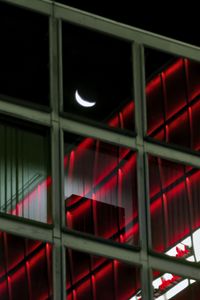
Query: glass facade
pixel 99 161
pixel 25 182
pixel 100 182
pixel 24 56
pixel 94 277
pixel 173 286
pixel 97 77
pixel 172 95
pixel 174 209
pixel 25 268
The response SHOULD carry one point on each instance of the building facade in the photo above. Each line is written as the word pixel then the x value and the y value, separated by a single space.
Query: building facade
pixel 99 158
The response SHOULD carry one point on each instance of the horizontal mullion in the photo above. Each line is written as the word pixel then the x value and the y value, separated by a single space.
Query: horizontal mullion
pixel 175 267
pixel 42 6
pixel 25 229
pixel 172 154
pixel 111 27
pixel 25 113
pixel 126 32
pixel 98 133
pixel 99 248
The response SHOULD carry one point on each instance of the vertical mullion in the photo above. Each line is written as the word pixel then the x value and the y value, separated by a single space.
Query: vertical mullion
pixel 62 174
pixel 140 121
pixel 60 66
pixel 55 158
pixel 63 208
pixel 63 216
pixel 6 163
pixel 64 265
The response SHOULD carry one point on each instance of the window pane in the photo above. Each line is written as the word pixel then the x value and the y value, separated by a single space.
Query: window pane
pixel 24 55
pixel 175 209
pixel 93 277
pixel 173 102
pixel 97 68
pixel 172 286
pixel 25 268
pixel 100 184
pixel 25 181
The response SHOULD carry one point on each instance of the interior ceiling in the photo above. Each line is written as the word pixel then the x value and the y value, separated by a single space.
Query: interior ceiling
pixel 180 23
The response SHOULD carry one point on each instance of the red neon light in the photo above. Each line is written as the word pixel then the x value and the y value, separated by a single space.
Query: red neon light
pixel 173 126
pixel 106 275
pixel 32 197
pixel 114 121
pixel 175 67
pixel 23 274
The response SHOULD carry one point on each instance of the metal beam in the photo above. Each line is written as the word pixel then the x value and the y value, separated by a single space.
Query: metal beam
pixel 25 228
pixel 172 154
pixel 101 248
pixel 106 135
pixel 25 113
pixel 139 84
pixel 108 26
pixel 126 32
pixel 58 283
pixel 175 267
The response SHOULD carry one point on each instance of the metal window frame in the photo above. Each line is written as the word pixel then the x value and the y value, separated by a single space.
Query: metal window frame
pixel 56 234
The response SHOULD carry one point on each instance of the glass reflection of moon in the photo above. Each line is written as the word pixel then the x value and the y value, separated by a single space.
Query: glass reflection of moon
pixel 83 102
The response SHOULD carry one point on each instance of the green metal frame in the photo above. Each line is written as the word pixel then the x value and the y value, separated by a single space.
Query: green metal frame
pixel 57 123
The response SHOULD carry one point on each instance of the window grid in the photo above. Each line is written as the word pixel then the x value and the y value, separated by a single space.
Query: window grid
pixel 56 233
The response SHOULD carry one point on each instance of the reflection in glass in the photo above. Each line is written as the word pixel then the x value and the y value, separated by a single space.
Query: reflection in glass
pixel 175 209
pixel 94 278
pixel 170 286
pixel 173 99
pixel 24 173
pixel 24 55
pixel 97 68
pixel 25 268
pixel 100 184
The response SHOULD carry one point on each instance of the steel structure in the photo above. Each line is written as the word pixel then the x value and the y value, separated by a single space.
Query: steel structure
pixel 57 233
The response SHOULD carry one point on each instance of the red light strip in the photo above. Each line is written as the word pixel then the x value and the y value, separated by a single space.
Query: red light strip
pixel 86 142
pixel 100 272
pixel 34 195
pixel 27 262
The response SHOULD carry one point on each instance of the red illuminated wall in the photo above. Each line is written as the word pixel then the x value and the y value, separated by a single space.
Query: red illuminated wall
pixel 172 100
pixel 25 269
pixel 173 110
pixel 173 106
pixel 92 277
pixel 101 185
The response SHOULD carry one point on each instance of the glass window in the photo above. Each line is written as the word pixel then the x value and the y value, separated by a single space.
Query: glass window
pixel 94 278
pixel 25 180
pixel 175 209
pixel 97 77
pixel 25 268
pixel 173 102
pixel 171 286
pixel 24 55
pixel 100 184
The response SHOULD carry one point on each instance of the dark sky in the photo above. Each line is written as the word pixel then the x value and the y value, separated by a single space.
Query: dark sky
pixel 179 22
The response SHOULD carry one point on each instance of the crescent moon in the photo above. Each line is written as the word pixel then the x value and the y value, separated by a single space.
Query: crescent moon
pixel 83 102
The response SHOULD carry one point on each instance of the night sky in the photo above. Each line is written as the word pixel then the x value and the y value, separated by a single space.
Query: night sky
pixel 165 18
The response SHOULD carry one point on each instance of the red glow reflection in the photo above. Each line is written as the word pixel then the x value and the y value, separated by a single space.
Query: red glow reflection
pixel 20 277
